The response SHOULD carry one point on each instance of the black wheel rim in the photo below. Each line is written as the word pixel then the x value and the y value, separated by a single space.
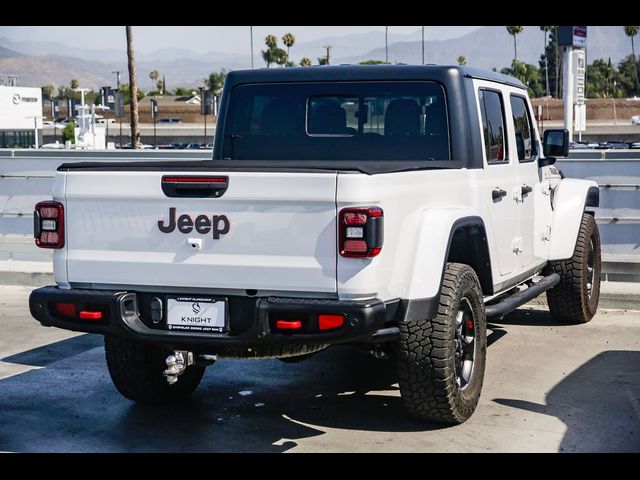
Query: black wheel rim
pixel 590 268
pixel 464 343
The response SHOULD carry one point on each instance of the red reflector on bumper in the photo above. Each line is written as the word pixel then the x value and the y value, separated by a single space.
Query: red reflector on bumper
pixel 329 322
pixel 288 324
pixel 87 315
pixel 65 309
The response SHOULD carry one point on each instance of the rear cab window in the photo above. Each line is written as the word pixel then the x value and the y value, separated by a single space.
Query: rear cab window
pixel 493 126
pixel 402 120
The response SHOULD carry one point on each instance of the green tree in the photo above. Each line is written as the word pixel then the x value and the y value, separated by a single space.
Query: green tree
pixel 133 98
pixel 631 32
pixel 126 92
pixel 68 133
pixel 74 84
pixel 305 62
pixel 185 91
pixel 544 60
pixel 627 70
pixel 602 79
pixel 47 91
pixel 215 81
pixel 271 41
pixel 514 30
pixel 154 76
pixel 462 60
pixel 373 62
pixel 527 74
pixel 289 40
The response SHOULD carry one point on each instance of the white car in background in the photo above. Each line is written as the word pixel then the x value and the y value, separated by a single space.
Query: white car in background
pixel 635 120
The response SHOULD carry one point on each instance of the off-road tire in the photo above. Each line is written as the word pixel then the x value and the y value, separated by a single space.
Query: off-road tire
pixel 137 368
pixel 426 353
pixel 569 301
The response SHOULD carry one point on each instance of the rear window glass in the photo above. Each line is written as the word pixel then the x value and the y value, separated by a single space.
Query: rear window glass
pixel 337 121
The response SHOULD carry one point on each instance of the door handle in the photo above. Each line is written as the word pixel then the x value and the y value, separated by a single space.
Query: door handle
pixel 526 189
pixel 498 193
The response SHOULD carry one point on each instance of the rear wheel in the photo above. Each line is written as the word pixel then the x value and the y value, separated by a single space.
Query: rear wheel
pixel 441 361
pixel 575 298
pixel 137 368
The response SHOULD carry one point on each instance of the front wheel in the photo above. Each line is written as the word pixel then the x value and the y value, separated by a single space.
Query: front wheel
pixel 441 360
pixel 575 298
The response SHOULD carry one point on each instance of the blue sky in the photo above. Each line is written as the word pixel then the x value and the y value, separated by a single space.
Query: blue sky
pixel 229 39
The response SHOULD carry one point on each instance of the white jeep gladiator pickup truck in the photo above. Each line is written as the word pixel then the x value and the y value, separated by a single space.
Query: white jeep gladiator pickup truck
pixel 392 208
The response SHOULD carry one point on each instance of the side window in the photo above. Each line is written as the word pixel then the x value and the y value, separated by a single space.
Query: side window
pixel 493 126
pixel 525 139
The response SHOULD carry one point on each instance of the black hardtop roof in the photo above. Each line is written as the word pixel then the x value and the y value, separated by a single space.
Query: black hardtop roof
pixel 345 73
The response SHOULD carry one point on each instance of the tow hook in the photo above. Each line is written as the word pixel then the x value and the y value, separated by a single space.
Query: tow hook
pixel 177 363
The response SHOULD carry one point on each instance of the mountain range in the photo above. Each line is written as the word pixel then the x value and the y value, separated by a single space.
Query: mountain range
pixel 40 63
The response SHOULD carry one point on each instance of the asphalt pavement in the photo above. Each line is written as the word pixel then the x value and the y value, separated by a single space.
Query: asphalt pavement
pixel 548 388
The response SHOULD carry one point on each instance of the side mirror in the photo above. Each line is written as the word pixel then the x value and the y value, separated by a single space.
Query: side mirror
pixel 556 143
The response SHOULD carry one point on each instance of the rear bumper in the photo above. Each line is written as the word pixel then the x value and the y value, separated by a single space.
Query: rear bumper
pixel 250 319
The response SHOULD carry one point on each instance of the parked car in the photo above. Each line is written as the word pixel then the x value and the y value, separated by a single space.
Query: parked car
pixel 635 120
pixel 399 233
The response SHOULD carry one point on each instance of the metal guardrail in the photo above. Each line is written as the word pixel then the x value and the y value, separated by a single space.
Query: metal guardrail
pixel 26 177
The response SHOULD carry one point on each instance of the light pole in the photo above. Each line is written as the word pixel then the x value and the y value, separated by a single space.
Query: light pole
pixel 251 35
pixel 422 45
pixel 386 44
pixel 118 72
pixel 35 128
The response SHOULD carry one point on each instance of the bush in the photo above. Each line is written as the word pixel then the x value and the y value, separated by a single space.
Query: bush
pixel 68 133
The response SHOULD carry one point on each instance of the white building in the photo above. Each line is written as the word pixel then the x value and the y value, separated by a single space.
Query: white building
pixel 20 116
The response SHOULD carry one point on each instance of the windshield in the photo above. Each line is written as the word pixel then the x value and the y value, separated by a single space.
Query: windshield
pixel 401 120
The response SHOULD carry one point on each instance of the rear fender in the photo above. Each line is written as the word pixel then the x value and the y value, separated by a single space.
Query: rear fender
pixel 436 231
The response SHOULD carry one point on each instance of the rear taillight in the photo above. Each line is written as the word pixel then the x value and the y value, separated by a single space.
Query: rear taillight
pixel 48 225
pixel 361 232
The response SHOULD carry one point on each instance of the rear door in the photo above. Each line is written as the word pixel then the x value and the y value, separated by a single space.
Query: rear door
pixel 500 175
pixel 267 230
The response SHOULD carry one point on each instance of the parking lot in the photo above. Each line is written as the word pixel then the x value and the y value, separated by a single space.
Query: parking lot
pixel 548 388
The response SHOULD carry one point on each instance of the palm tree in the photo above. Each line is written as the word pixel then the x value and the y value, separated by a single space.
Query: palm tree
pixel 632 32
pixel 133 86
pixel 462 60
pixel 154 75
pixel 305 62
pixel 271 41
pixel 288 39
pixel 74 84
pixel 515 30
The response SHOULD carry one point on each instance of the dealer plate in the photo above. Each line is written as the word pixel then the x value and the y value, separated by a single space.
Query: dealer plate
pixel 197 314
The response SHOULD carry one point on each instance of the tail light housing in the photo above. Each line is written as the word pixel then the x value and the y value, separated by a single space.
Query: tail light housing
pixel 48 225
pixel 361 232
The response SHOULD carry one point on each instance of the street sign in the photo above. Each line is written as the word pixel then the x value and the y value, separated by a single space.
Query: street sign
pixel 154 109
pixel 119 105
pixel 579 75
pixel 580 116
pixel 572 36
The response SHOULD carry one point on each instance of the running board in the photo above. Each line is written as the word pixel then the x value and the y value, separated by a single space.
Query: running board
pixel 509 304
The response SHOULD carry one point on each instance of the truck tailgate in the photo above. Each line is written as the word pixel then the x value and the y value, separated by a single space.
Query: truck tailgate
pixel 281 235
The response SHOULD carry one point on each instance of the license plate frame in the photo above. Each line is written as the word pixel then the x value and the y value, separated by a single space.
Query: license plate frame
pixel 197 314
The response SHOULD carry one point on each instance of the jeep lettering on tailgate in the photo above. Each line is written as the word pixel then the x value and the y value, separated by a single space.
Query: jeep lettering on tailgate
pixel 218 224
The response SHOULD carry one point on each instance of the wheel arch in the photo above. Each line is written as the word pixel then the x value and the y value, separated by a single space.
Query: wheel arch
pixel 457 236
pixel 572 197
